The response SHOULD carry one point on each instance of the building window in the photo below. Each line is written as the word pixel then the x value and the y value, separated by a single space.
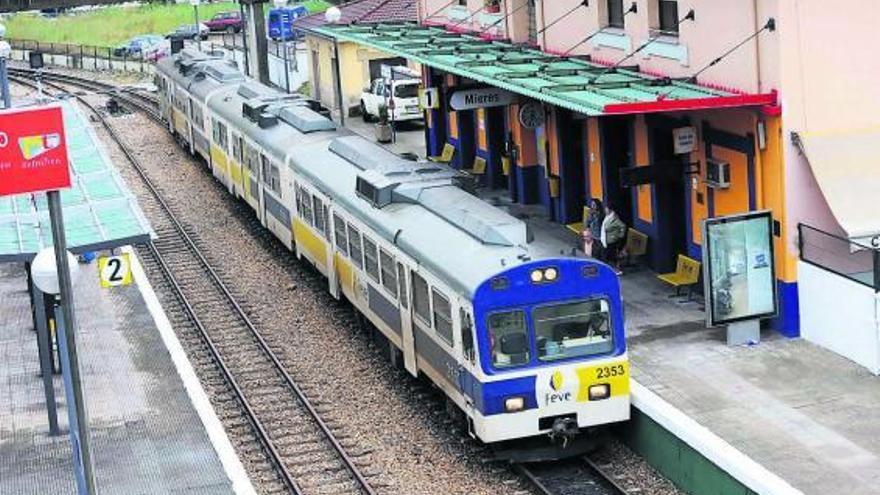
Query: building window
pixel 533 22
pixel 615 13
pixel 669 17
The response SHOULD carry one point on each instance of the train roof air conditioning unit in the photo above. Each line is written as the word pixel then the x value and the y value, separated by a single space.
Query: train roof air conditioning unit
pixel 717 174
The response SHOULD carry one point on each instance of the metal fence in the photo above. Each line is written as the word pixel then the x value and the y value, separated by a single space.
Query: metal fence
pixel 852 260
pixel 84 57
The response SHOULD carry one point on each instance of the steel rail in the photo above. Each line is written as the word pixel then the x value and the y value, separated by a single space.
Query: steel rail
pixel 279 367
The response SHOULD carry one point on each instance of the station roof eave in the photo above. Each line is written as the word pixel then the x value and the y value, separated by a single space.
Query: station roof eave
pixel 99 210
pixel 572 83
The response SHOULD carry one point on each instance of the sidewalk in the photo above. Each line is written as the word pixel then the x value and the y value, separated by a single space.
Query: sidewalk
pixel 147 436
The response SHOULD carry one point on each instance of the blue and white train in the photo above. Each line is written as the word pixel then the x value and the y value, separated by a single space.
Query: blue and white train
pixel 526 344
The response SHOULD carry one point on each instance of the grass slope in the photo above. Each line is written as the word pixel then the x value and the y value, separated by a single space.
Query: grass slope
pixel 108 26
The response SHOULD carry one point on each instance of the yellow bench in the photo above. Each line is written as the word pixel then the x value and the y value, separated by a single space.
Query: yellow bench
pixel 636 245
pixel 479 167
pixel 687 274
pixel 445 156
pixel 578 227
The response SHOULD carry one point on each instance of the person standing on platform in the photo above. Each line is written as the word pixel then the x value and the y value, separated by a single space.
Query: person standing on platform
pixel 593 225
pixel 612 236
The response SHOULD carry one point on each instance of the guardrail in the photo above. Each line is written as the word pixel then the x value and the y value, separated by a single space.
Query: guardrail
pixel 849 259
pixel 86 57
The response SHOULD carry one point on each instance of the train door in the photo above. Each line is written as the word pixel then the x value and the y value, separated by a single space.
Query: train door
pixel 332 248
pixel 406 324
pixel 467 358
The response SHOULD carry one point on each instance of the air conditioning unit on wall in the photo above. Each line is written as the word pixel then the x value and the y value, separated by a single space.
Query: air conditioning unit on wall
pixel 717 174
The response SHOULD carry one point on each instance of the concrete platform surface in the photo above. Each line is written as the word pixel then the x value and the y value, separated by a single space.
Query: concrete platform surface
pixel 146 435
pixel 800 411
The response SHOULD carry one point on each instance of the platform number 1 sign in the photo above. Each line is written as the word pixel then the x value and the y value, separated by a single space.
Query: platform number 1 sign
pixel 114 270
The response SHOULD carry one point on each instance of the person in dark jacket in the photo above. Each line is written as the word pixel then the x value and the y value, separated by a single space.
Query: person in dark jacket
pixel 612 236
pixel 594 225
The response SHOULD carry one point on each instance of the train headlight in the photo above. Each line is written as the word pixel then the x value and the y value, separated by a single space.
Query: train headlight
pixel 599 392
pixel 514 404
pixel 544 275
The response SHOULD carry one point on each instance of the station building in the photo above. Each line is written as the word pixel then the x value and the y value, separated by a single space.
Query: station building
pixel 674 111
pixel 357 65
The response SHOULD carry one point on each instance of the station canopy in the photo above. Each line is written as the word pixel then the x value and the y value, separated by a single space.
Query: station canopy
pixel 573 83
pixel 100 212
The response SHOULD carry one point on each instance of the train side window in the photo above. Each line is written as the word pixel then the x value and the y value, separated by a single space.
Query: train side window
pixel 421 300
pixel 354 246
pixel 467 336
pixel 389 272
pixel 307 207
pixel 442 316
pixel 339 230
pixel 371 262
pixel 401 282
pixel 236 148
pixel 275 179
pixel 319 215
pixel 265 169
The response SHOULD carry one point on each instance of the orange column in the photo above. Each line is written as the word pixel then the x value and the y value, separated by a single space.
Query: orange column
pixel 645 191
pixel 594 158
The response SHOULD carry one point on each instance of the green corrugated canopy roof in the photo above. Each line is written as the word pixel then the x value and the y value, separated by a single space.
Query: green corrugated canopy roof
pixel 573 83
pixel 100 212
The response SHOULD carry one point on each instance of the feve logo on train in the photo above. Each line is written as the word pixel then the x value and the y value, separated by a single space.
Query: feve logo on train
pixel 557 394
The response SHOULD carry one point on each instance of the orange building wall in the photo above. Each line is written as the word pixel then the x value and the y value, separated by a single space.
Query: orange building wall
pixel 645 191
pixel 594 158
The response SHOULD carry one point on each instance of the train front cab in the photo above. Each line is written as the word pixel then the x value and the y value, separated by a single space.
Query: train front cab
pixel 552 355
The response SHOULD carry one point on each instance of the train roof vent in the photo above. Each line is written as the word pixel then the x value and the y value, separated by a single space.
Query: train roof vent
pixel 471 214
pixel 251 110
pixel 223 72
pixel 266 120
pixel 375 188
pixel 248 91
pixel 305 120
pixel 366 155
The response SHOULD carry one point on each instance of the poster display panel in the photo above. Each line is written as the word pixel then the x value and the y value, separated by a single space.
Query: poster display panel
pixel 739 272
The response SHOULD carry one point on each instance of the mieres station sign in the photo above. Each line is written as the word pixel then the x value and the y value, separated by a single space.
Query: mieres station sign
pixel 470 99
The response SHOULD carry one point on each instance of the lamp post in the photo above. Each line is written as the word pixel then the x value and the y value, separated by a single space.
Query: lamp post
pixel 332 16
pixel 195 4
pixel 278 5
pixel 53 272
pixel 5 51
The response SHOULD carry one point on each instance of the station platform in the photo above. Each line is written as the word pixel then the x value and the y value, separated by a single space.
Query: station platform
pixel 152 428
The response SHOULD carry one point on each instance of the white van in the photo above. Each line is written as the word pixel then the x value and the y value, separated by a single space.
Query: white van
pixel 400 93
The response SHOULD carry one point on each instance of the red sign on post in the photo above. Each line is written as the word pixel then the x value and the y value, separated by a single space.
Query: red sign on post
pixel 33 151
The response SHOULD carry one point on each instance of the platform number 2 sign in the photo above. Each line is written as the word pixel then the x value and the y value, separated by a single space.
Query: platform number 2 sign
pixel 114 270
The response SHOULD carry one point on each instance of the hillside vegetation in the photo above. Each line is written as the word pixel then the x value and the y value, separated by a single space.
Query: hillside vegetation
pixel 108 26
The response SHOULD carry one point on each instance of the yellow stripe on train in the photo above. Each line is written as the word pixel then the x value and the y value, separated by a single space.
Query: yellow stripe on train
pixel 615 374
pixel 310 242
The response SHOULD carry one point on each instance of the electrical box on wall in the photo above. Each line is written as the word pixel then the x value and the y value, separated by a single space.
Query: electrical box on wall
pixel 717 174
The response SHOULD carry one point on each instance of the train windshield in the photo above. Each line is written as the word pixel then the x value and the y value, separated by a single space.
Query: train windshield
pixel 573 329
pixel 509 338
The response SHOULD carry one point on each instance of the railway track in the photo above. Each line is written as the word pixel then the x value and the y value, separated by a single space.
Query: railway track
pixel 302 455
pixel 129 97
pixel 579 476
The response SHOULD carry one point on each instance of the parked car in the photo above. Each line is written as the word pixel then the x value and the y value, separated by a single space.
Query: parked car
pixel 281 22
pixel 225 21
pixel 400 95
pixel 189 32
pixel 154 53
pixel 136 46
